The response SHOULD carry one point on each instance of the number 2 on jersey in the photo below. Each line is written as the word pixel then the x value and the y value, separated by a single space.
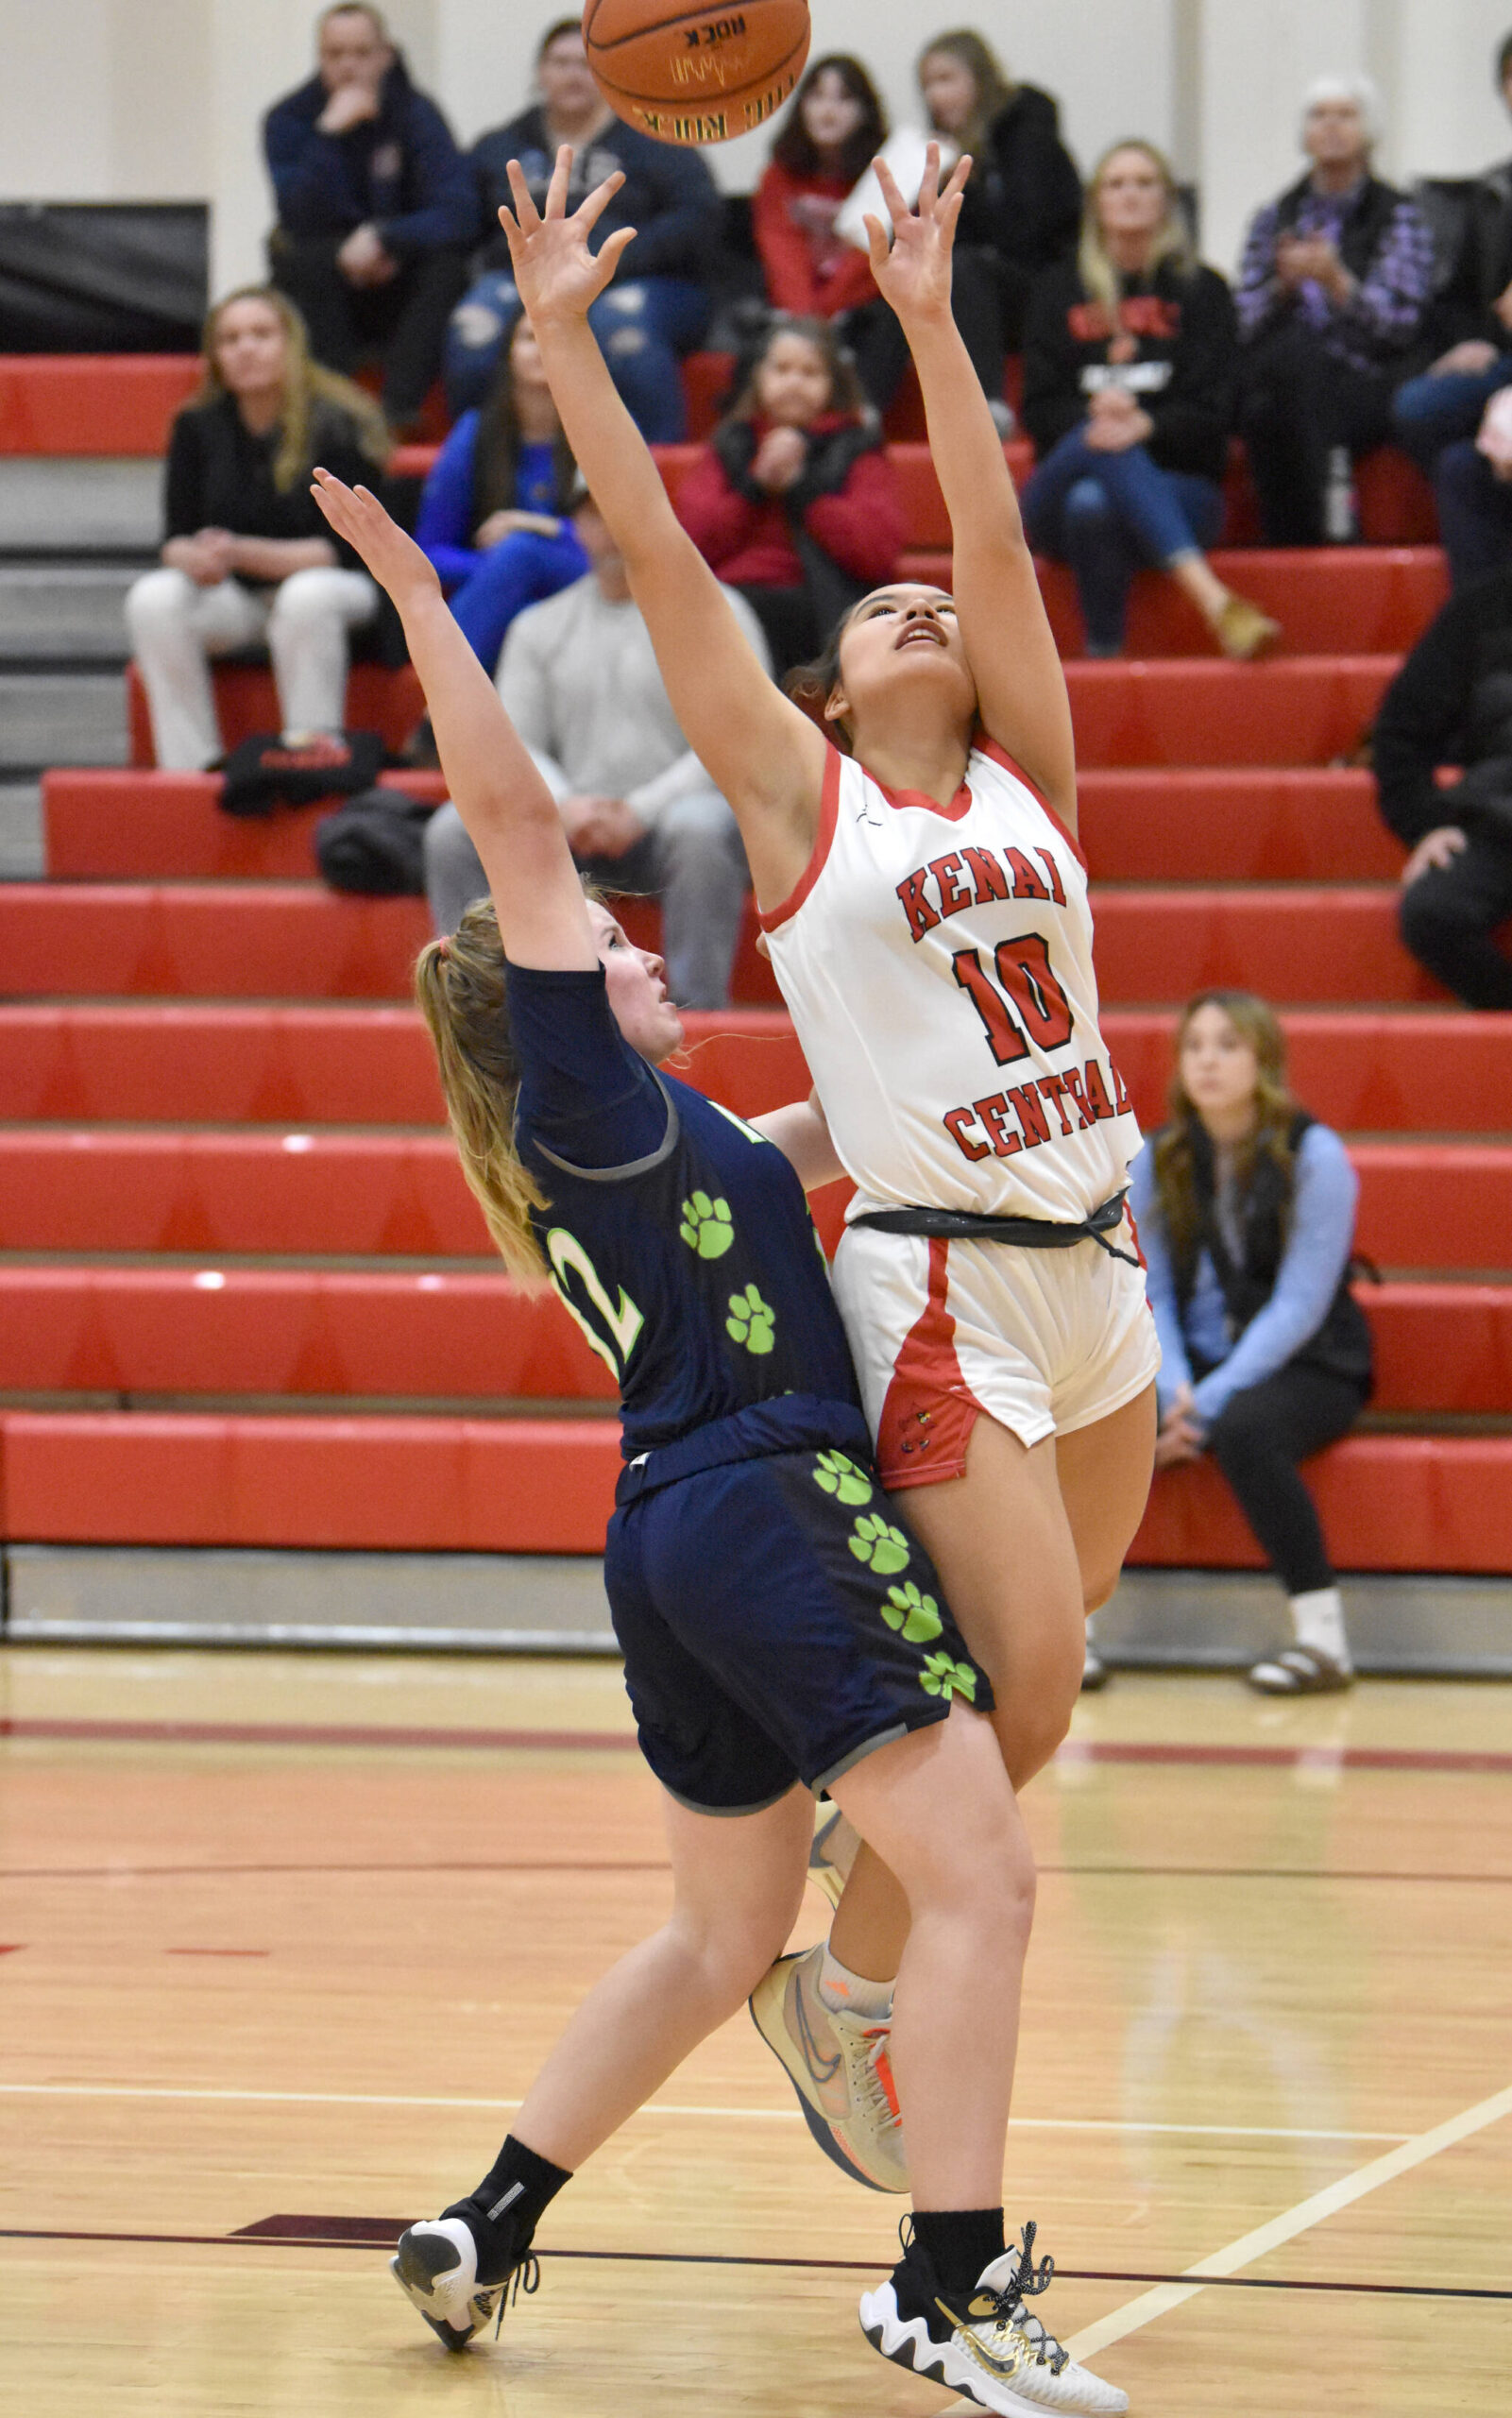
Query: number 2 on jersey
pixel 564 1252
pixel 1023 967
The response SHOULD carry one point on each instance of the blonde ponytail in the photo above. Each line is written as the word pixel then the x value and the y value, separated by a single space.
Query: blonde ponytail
pixel 459 986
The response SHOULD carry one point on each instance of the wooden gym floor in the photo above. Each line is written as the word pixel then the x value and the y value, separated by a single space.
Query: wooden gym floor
pixel 283 1938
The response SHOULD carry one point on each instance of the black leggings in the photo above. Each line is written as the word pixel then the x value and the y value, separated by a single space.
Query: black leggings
pixel 1257 1440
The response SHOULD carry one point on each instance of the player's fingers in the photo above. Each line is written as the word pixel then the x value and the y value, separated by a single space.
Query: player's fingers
pixel 561 176
pixel 929 189
pixel 878 242
pixel 615 246
pixel 958 176
pixel 526 213
pixel 591 209
pixel 897 209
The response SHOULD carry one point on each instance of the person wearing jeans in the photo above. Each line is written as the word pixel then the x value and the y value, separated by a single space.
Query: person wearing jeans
pixel 658 310
pixel 1130 366
pixel 580 682
pixel 247 557
pixel 1245 1210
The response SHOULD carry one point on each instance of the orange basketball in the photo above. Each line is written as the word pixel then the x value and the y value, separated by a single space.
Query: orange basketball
pixel 695 75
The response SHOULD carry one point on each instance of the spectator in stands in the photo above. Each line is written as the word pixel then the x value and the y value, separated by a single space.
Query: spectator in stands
pixel 579 679
pixel 1333 295
pixel 793 501
pixel 1246 1209
pixel 1474 311
pixel 1131 366
pixel 1452 703
pixel 1473 487
pixel 376 207
pixel 493 515
pixel 827 143
pixel 246 555
pixel 1022 208
pixel 653 311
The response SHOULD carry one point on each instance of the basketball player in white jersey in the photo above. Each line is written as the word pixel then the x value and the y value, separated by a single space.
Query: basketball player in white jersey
pixel 926 914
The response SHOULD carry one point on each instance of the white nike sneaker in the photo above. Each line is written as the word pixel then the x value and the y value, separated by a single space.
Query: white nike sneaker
pixel 839 2068
pixel 990 2349
pixel 435 2266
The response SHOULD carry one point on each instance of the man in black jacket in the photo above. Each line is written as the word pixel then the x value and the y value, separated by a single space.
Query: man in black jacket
pixel 376 210
pixel 1452 703
pixel 1473 313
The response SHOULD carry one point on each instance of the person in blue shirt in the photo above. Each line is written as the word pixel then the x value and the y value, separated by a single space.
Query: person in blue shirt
pixel 376 207
pixel 669 196
pixel 1246 1209
pixel 494 513
pixel 783 1633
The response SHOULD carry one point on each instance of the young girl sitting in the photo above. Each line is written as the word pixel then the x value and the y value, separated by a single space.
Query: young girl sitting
pixel 493 517
pixel 794 501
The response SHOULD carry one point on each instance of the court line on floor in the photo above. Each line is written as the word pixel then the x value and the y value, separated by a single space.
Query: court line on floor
pixel 1075 1750
pixel 245 2239
pixel 1046 1871
pixel 1221 2265
pixel 656 2107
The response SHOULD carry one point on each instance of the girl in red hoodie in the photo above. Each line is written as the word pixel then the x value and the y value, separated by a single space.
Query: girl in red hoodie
pixel 793 501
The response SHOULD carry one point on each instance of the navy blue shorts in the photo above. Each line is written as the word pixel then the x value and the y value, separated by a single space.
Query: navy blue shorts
pixel 777 1620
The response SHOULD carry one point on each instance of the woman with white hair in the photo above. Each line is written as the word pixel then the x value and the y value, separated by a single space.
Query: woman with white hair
pixel 1334 289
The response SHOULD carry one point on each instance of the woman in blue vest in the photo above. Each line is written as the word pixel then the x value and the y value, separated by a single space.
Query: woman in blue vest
pixel 1245 1208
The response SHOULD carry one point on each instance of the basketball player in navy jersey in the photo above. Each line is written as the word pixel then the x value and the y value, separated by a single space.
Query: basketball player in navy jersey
pixel 783 1633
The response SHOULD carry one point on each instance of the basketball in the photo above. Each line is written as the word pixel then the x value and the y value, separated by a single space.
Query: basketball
pixel 695 75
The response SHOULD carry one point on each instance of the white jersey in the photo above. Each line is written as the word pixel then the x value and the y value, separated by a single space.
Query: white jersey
pixel 937 963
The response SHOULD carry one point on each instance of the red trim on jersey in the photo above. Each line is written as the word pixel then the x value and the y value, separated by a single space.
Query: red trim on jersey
pixel 1000 755
pixel 824 840
pixel 961 805
pixel 930 1411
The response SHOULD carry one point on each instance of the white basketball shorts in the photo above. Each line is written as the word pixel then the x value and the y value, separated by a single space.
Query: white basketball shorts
pixel 1043 1341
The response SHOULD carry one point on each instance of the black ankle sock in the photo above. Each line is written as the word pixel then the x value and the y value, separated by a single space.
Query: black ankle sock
pixel 958 2243
pixel 506 2208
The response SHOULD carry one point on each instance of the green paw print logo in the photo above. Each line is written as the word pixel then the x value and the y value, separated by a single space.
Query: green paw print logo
pixel 943 1675
pixel 916 1615
pixel 883 1549
pixel 839 1475
pixel 707 1227
pixel 750 1321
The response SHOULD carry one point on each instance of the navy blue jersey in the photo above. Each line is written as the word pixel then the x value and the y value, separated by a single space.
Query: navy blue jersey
pixel 678 1237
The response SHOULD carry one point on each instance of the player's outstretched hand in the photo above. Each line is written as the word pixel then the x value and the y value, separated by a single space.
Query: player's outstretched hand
pixel 556 275
pixel 393 559
pixel 912 265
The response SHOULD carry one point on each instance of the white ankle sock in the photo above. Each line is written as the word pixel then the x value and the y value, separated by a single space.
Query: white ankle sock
pixel 1318 1619
pixel 847 1993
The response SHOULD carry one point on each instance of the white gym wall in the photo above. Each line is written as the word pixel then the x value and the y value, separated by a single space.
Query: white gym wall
pixel 160 99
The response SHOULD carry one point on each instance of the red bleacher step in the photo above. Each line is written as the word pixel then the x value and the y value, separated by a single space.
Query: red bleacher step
pixel 1431 1502
pixel 1423 1204
pixel 396 1484
pixel 389 701
pixel 544 1485
pixel 1222 824
pixel 114 826
pixel 332 1065
pixel 457 1335
pixel 1299 709
pixel 83 403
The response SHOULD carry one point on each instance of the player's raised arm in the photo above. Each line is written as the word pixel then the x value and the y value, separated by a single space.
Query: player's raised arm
pixel 510 813
pixel 763 754
pixel 1020 686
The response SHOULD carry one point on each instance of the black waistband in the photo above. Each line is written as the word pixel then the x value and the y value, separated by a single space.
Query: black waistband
pixel 1031 1233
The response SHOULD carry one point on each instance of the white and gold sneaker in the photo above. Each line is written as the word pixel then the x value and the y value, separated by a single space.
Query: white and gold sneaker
pixel 832 1854
pixel 990 2348
pixel 839 2066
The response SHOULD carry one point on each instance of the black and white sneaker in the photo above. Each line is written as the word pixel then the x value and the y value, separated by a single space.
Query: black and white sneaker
pixel 435 2266
pixel 989 2348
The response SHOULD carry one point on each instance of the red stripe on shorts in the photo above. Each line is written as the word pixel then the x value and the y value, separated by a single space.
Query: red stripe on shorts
pixel 930 1411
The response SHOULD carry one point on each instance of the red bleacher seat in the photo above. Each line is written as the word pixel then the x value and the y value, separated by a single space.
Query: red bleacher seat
pixel 389 701
pixel 92 403
pixel 103 827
